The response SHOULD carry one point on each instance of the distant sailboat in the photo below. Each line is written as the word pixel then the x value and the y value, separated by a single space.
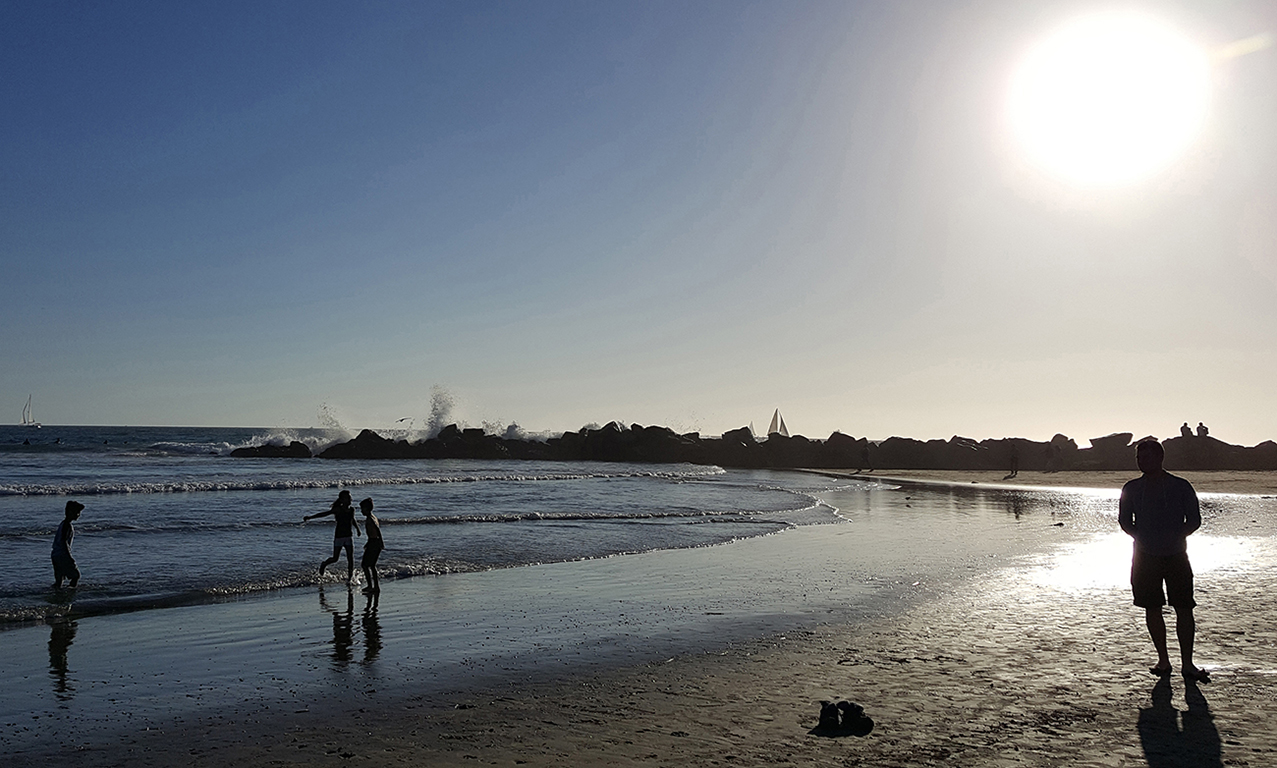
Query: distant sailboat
pixel 27 419
pixel 778 425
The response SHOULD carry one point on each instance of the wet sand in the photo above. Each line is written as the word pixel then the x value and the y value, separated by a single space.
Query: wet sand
pixel 1214 481
pixel 1015 666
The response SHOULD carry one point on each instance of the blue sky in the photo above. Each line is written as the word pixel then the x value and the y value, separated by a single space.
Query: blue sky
pixel 561 213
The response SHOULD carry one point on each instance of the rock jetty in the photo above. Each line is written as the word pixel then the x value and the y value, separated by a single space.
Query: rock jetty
pixel 739 448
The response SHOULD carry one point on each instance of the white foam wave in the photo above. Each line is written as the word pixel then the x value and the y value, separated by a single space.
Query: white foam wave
pixel 288 484
pixel 316 440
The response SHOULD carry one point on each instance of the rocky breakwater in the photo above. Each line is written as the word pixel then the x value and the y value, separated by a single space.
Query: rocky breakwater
pixel 294 450
pixel 739 448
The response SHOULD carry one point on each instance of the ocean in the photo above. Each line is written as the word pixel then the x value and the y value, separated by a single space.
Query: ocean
pixel 171 519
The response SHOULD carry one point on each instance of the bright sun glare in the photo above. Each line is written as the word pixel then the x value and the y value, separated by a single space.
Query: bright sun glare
pixel 1109 98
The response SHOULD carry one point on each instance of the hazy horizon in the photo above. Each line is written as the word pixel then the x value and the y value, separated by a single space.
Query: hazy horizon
pixel 663 213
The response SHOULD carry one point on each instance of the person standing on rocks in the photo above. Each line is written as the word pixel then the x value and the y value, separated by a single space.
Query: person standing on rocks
pixel 1159 511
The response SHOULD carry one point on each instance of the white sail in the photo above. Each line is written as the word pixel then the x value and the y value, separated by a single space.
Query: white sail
pixel 778 425
pixel 28 420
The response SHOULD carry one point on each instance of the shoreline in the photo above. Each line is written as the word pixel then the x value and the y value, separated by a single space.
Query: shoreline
pixel 1004 665
pixel 1245 482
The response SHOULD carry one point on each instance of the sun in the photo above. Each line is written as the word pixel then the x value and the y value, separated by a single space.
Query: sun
pixel 1108 99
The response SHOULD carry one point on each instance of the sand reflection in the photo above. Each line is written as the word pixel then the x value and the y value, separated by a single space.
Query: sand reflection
pixel 1104 561
pixel 372 628
pixel 61 636
pixel 343 627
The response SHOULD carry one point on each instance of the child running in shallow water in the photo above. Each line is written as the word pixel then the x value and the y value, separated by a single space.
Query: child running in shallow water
pixel 344 514
pixel 372 547
pixel 63 563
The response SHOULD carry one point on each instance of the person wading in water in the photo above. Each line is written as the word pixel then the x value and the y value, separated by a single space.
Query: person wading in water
pixel 344 514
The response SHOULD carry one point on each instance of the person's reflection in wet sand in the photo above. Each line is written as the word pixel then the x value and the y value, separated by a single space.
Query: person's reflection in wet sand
pixel 343 627
pixel 61 635
pixel 1165 744
pixel 1015 504
pixel 372 629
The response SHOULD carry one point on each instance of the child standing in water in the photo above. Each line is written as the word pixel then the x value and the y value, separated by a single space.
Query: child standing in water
pixel 372 547
pixel 344 514
pixel 63 563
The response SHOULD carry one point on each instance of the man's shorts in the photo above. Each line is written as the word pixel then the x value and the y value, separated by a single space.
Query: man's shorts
pixel 1149 571
pixel 346 542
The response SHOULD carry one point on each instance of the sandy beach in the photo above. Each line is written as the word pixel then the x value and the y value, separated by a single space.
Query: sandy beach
pixel 1217 481
pixel 1037 660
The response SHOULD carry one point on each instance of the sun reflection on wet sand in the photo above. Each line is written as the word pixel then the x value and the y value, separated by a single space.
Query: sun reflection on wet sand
pixel 1104 561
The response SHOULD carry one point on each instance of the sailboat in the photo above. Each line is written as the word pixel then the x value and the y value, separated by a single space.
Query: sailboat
pixel 778 425
pixel 27 419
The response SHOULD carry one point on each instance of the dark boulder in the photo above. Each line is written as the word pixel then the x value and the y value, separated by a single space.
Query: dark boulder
pixel 294 450
pixel 369 445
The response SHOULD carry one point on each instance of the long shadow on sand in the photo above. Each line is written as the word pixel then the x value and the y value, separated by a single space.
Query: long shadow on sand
pixel 1167 742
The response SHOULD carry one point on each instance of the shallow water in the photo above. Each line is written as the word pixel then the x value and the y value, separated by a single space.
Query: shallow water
pixel 171 520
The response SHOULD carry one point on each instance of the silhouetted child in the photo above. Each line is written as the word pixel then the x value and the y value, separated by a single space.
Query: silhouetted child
pixel 372 547
pixel 63 562
pixel 344 514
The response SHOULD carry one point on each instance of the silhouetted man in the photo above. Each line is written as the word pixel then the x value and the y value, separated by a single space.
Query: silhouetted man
pixel 1185 430
pixel 1160 510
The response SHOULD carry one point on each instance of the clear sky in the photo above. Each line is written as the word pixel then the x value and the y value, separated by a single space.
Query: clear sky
pixel 658 212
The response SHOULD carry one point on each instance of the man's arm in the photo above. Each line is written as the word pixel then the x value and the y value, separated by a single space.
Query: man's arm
pixel 1126 512
pixel 1192 510
pixel 317 514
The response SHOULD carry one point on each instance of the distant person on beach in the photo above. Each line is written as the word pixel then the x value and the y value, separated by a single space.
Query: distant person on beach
pixel 344 514
pixel 1159 511
pixel 1015 464
pixel 63 562
pixel 372 547
pixel 1185 430
pixel 1202 431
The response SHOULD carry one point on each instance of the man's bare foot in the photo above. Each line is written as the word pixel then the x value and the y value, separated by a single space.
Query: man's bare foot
pixel 1196 674
pixel 1162 670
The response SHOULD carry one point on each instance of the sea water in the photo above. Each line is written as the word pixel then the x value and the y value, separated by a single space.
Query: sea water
pixel 171 519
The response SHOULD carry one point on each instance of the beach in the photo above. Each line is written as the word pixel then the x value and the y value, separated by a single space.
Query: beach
pixel 1211 481
pixel 1019 648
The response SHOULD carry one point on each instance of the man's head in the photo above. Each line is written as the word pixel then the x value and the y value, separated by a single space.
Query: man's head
pixel 73 510
pixel 365 506
pixel 1149 455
